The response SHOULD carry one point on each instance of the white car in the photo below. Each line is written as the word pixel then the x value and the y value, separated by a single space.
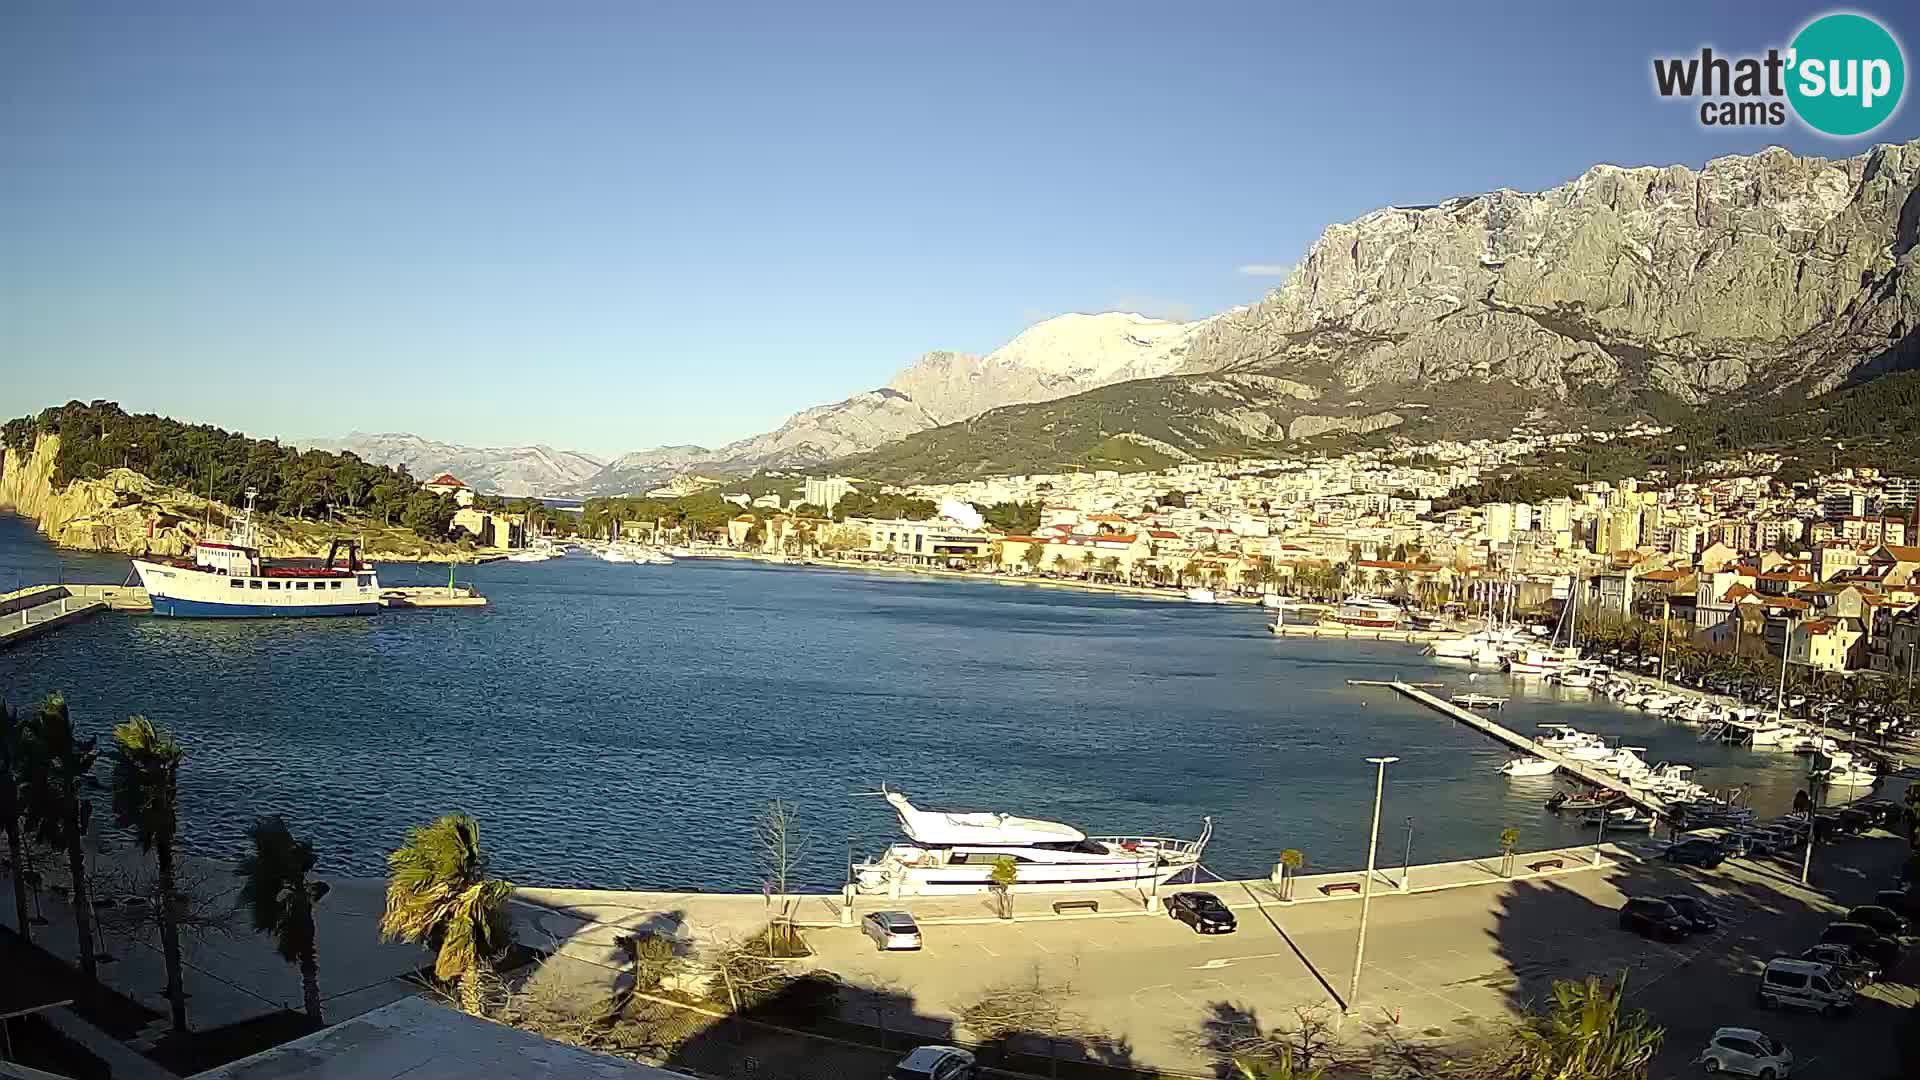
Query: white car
pixel 891 930
pixel 1747 1052
pixel 936 1063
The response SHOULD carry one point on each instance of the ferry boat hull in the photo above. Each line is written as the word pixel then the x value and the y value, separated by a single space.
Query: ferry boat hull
pixel 197 594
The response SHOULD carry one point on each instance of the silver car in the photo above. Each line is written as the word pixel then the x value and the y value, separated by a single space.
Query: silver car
pixel 892 930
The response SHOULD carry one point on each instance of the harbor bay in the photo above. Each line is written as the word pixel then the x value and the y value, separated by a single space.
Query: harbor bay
pixel 620 726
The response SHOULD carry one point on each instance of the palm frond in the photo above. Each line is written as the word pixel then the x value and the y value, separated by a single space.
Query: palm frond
pixel 438 893
pixel 146 775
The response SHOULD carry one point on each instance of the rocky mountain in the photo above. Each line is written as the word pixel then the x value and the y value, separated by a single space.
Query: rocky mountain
pixel 498 470
pixel 1051 359
pixel 1623 290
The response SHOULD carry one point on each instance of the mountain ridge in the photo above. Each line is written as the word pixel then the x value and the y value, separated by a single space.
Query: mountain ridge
pixel 1754 276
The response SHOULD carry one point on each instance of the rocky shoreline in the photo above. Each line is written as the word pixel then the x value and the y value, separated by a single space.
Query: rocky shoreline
pixel 126 513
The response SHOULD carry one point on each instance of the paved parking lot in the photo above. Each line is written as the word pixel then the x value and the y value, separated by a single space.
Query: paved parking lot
pixel 1439 966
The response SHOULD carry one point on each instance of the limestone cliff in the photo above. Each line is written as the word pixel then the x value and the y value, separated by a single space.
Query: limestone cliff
pixel 1754 273
pixel 125 512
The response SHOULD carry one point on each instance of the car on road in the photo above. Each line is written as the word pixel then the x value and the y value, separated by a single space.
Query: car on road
pixel 1864 940
pixel 1844 960
pixel 1889 922
pixel 1747 1052
pixel 892 930
pixel 1690 908
pixel 937 1063
pixel 1650 916
pixel 1705 854
pixel 1203 911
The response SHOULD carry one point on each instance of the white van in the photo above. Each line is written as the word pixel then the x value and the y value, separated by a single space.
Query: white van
pixel 1805 984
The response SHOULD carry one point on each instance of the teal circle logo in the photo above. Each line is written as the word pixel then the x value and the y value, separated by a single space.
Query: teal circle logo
pixel 1847 74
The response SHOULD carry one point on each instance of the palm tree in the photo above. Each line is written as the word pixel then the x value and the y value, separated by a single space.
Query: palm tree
pixel 57 816
pixel 146 802
pixel 274 887
pixel 1110 566
pixel 1586 1034
pixel 1087 559
pixel 439 894
pixel 12 772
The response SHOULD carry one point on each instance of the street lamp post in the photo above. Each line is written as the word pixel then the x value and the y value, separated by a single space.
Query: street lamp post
pixel 1366 891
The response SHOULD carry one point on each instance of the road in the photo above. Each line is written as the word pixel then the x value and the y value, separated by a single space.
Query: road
pixel 1440 968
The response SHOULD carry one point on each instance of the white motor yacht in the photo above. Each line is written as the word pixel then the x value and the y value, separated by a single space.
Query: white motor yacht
pixel 1528 766
pixel 1202 596
pixel 955 854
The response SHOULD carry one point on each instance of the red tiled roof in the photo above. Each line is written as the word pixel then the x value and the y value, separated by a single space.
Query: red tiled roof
pixel 446 479
pixel 1661 575
pixel 1163 534
pixel 1904 553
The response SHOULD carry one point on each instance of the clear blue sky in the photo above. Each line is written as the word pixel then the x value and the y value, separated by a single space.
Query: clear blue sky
pixel 609 226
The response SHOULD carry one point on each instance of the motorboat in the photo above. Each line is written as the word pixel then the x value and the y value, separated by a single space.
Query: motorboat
pixel 1593 798
pixel 1369 613
pixel 1202 596
pixel 1528 766
pixel 1478 701
pixel 955 853
pixel 1577 680
pixel 1614 816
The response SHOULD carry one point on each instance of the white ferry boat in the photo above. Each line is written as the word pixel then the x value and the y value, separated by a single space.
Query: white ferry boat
pixel 223 581
pixel 955 854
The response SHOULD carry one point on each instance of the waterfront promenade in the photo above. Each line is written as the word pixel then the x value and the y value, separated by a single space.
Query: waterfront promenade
pixel 1450 957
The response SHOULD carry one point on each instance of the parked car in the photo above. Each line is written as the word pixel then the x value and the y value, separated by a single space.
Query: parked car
pixel 936 1063
pixel 1889 922
pixel 1856 820
pixel 1864 940
pixel 1747 1052
pixel 1702 853
pixel 1690 908
pixel 1804 984
pixel 1844 960
pixel 891 930
pixel 1904 901
pixel 1653 917
pixel 1760 842
pixel 1203 911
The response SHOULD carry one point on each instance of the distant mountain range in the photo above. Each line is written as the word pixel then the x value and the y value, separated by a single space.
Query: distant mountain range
pixel 500 470
pixel 1625 292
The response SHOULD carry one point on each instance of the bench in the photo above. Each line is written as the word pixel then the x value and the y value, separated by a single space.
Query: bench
pixel 1061 907
pixel 1545 864
pixel 1339 886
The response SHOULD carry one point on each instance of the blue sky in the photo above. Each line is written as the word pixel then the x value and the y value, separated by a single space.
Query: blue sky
pixel 610 226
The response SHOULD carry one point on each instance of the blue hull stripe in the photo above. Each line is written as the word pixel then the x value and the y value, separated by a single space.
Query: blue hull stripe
pixel 201 609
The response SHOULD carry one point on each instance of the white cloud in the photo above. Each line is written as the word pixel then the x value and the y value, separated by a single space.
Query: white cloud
pixel 1265 270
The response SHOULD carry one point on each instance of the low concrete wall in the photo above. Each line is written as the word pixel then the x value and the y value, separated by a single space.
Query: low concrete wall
pixel 31 596
pixel 117 597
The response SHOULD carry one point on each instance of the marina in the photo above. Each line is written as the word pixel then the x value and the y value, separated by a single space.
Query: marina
pixel 664 704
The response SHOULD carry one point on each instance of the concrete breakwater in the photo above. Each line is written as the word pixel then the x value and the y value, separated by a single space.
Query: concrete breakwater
pixel 37 609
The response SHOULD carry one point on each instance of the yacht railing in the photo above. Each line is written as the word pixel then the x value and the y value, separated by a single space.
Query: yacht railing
pixel 1162 844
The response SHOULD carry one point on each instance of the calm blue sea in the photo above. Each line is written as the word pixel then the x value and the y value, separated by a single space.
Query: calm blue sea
pixel 619 726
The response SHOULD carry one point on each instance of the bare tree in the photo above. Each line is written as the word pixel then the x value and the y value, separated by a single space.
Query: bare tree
pixel 1030 1007
pixel 778 838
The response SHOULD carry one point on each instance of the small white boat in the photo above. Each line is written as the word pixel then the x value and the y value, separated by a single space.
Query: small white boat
pixel 1202 596
pixel 1578 680
pixel 1478 701
pixel 1528 766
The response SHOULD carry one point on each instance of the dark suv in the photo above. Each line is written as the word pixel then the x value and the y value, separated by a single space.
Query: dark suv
pixel 1655 918
pixel 1864 940
pixel 1702 853
pixel 1203 911
pixel 1888 922
pixel 1690 908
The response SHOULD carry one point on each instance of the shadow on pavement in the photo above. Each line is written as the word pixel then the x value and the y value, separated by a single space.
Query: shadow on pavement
pixel 1547 930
